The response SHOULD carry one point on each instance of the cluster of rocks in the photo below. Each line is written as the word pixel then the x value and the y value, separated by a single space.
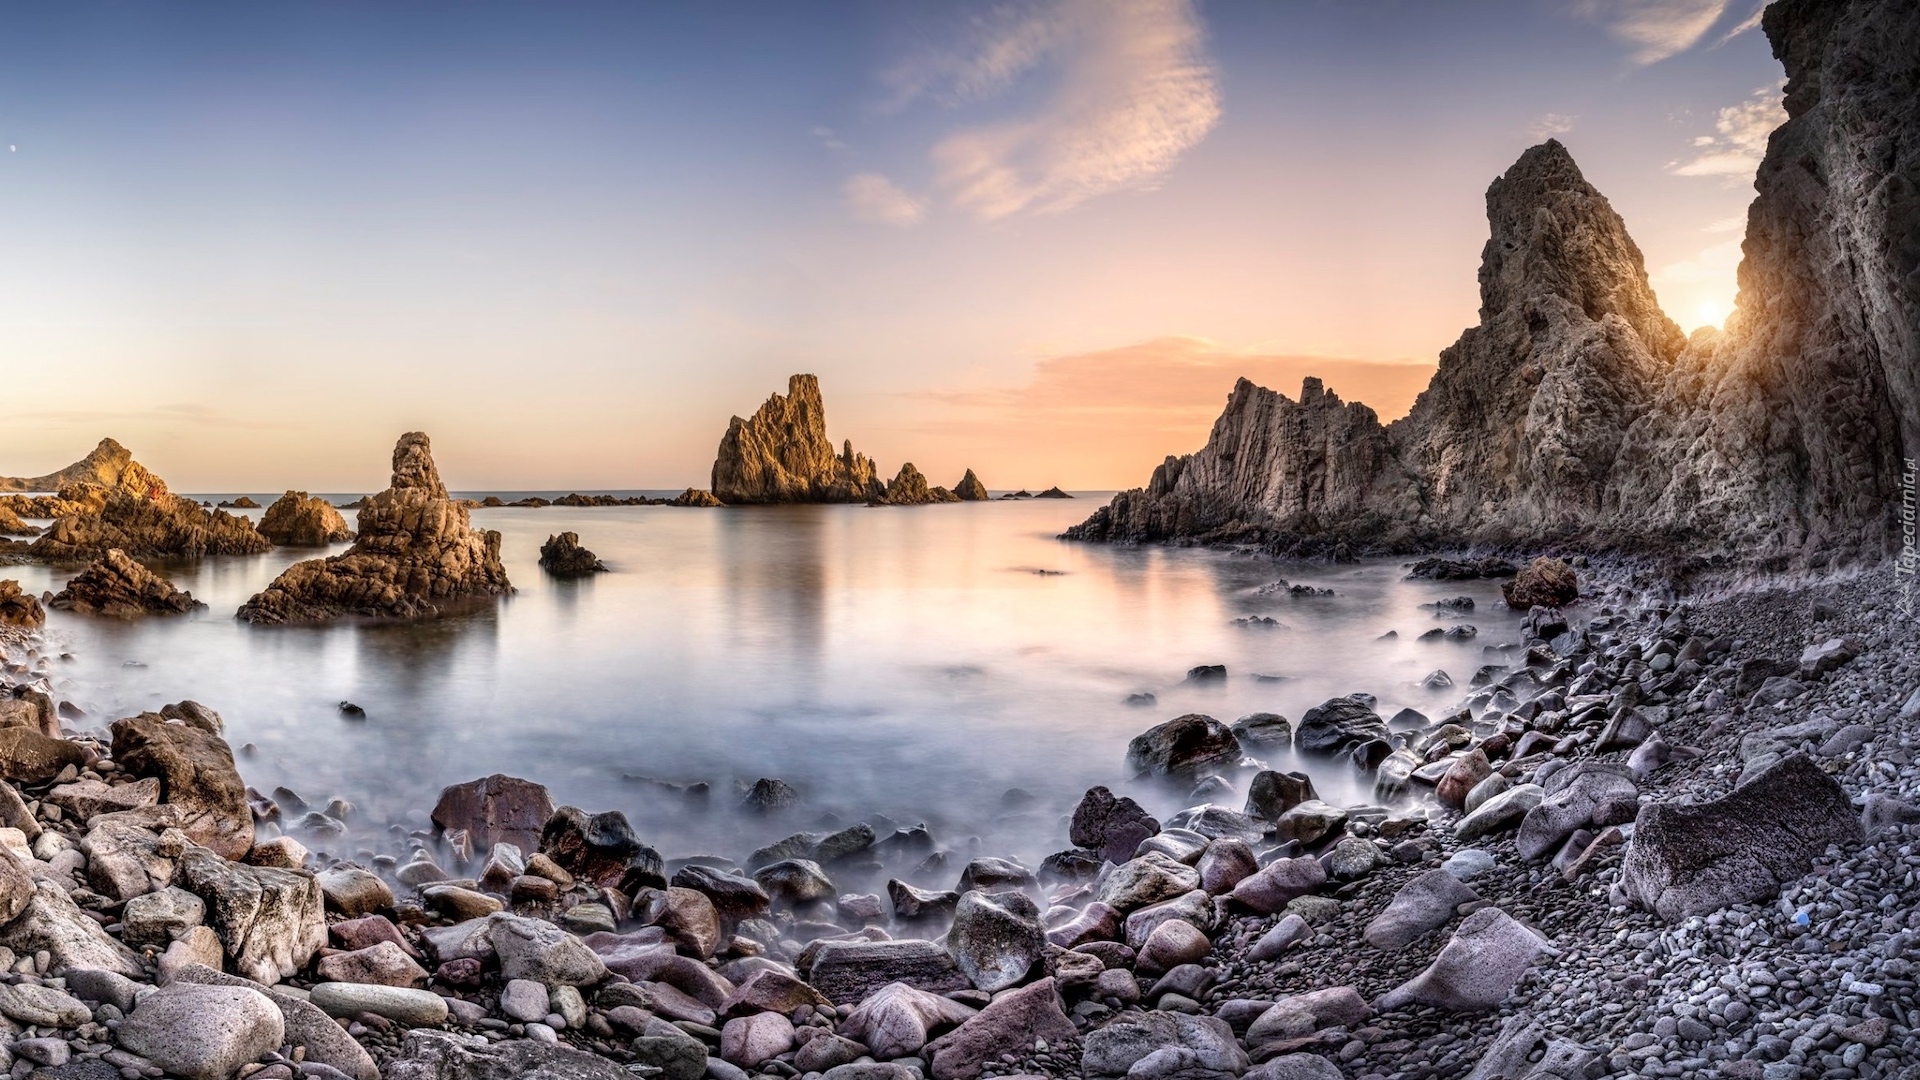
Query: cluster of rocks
pixel 115 584
pixel 415 553
pixel 109 501
pixel 297 519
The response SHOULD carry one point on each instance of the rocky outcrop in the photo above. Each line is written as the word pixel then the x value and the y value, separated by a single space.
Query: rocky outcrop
pixel 1575 410
pixel 11 525
pixel 19 610
pixel 970 489
pixel 297 519
pixel 695 497
pixel 1545 582
pixel 114 584
pixel 781 455
pixel 910 488
pixel 562 556
pixel 117 503
pixel 417 552
pixel 103 467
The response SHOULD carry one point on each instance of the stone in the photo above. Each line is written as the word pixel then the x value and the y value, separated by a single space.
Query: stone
pixel 771 990
pixel 1183 746
pixel 1310 822
pixel 1695 859
pixel 600 848
pixel 460 904
pixel 156 918
pixel 353 891
pixel 271 921
pixel 1475 971
pixel 1263 730
pixel 197 777
pixel 733 896
pixel 283 852
pixel 1573 795
pixel 115 585
pixel 1466 773
pixel 402 1005
pixel 1303 1014
pixel 996 938
pixel 912 903
pixel 1819 659
pixel 42 1006
pixel 297 519
pixel 1113 826
pixel 383 964
pixel 1224 864
pixel 19 610
pixel 795 881
pixel 1149 879
pixel 1095 922
pixel 690 920
pixel 198 945
pixel 1012 1023
pixel 995 874
pixel 495 809
pixel 1544 582
pixel 442 1055
pixel 750 1041
pixel 538 950
pixel 1503 811
pixel 524 1000
pixel 1339 727
pixel 202 1032
pixel 113 502
pixel 970 489
pixel 847 972
pixel 909 488
pixel 86 798
pixel 28 757
pixel 1157 1044
pixel 52 923
pixel 1296 1067
pixel 1170 944
pixel 308 1028
pixel 781 455
pixel 1422 906
pixel 416 553
pixel 1271 794
pixel 1288 932
pixel 563 557
pixel 1278 882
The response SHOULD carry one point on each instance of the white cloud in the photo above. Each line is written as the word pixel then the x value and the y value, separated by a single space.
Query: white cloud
pixel 1751 22
pixel 1656 29
pixel 1733 223
pixel 873 197
pixel 1734 152
pixel 1713 264
pixel 1112 93
pixel 1550 125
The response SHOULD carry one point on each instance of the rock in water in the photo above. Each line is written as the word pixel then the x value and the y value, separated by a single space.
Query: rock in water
pixel 1545 582
pixel 297 519
pixel 116 585
pixel 782 455
pixel 1576 407
pixel 108 500
pixel 970 489
pixel 18 609
pixel 695 497
pixel 562 556
pixel 1693 860
pixel 417 551
pixel 909 488
pixel 1182 746
pixel 11 525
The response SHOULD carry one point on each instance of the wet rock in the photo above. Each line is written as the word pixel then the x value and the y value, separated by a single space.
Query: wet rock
pixel 1310 822
pixel 912 903
pixel 1339 727
pixel 416 553
pixel 795 881
pixel 1422 905
pixel 563 557
pixel 996 938
pixel 1544 582
pixel 1170 944
pixel 1476 970
pixel 297 519
pixel 1149 879
pixel 202 1032
pixel 1183 746
pixel 769 990
pixel 690 920
pixel 538 950
pixel 602 849
pixel 910 488
pixel 1263 730
pixel 197 777
pixel 995 874
pixel 1466 772
pixel 1286 933
pixel 1296 1067
pixel 848 971
pixel 733 896
pixel 86 798
pixel 1691 860
pixel 1096 922
pixel 1272 794
pixel 353 891
pixel 1113 826
pixel 1224 864
pixel 115 585
pixel 495 809
pixel 271 921
pixel 1012 1023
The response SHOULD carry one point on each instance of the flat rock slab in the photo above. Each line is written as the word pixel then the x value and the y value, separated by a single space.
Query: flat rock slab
pixel 1692 860
pixel 848 972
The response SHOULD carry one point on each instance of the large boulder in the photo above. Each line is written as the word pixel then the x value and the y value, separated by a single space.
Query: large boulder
pixel 1339 726
pixel 1544 582
pixel 970 489
pixel 897 1020
pixel 563 557
pixel 51 922
pixel 910 488
pixel 849 971
pixel 417 552
pixel 996 938
pixel 602 849
pixel 308 1027
pixel 1691 860
pixel 270 920
pixel 197 777
pixel 1012 1023
pixel 297 519
pixel 1149 879
pixel 19 610
pixel 202 1032
pixel 116 503
pixel 1112 825
pixel 495 809
pixel 1182 746
pixel 29 757
pixel 538 950
pixel 116 585
pixel 1476 970
pixel 1572 796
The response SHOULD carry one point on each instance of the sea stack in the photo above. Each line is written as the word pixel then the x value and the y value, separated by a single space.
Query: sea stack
pixel 416 553
pixel 782 455
pixel 910 488
pixel 970 489
pixel 297 519
pixel 109 501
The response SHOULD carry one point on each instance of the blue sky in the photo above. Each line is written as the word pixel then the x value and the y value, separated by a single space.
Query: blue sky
pixel 255 242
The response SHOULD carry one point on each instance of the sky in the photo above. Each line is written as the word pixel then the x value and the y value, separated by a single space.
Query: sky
pixel 1038 238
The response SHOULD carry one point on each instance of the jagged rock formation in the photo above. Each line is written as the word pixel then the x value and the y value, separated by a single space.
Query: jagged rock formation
pixel 103 466
pixel 11 525
pixel 695 497
pixel 781 455
pixel 1575 411
pixel 19 609
pixel 116 585
pixel 297 519
pixel 416 552
pixel 112 501
pixel 909 488
pixel 970 489
pixel 562 556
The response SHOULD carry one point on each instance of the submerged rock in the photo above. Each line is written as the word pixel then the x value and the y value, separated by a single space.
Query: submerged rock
pixel 416 552
pixel 695 497
pixel 297 519
pixel 781 455
pixel 563 557
pixel 116 585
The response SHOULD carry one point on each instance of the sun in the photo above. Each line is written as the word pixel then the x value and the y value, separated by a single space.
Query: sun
pixel 1711 313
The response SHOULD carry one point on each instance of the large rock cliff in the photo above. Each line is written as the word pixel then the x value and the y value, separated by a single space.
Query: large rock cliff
pixel 103 465
pixel 782 455
pixel 1576 411
pixel 111 501
pixel 417 552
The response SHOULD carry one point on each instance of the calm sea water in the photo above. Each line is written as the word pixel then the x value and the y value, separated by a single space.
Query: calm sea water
pixel 900 665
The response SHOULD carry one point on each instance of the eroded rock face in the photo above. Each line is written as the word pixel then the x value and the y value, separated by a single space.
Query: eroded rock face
pixel 416 553
pixel 271 921
pixel 781 455
pixel 111 501
pixel 1576 410
pixel 910 488
pixel 970 489
pixel 562 556
pixel 297 519
pixel 116 585
pixel 19 609
pixel 197 777
pixel 103 465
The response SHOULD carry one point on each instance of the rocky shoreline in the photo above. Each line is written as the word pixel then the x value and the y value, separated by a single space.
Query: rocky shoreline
pixel 148 890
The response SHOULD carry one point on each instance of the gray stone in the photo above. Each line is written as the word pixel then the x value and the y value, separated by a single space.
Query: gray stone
pixel 202 1032
pixel 1488 955
pixel 403 1005
pixel 996 938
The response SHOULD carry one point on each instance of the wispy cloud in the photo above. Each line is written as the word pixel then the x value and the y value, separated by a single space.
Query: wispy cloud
pixel 1551 124
pixel 1656 29
pixel 1751 22
pixel 1110 95
pixel 1734 151
pixel 873 197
